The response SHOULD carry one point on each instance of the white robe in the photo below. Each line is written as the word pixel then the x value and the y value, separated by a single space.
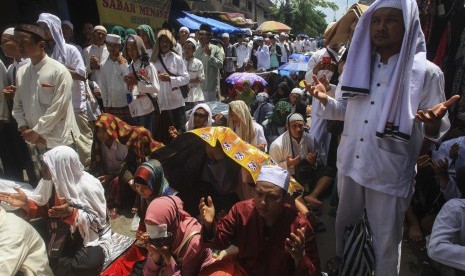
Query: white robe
pixel 263 57
pixel 22 248
pixel 101 53
pixel 43 102
pixel 112 86
pixel 195 69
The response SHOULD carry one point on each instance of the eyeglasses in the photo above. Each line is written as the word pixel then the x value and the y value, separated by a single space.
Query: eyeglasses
pixel 200 115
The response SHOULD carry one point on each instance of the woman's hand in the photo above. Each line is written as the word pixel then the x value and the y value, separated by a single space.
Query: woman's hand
pixel 16 200
pixel 64 210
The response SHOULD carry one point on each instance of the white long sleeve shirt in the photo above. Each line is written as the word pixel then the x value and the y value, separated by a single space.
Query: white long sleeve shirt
pixel 195 69
pixel 112 85
pixel 141 104
pixel 43 102
pixel 280 149
pixel 243 53
pixel 23 249
pixel 284 49
pixel 263 57
pixel 447 241
pixel 381 164
pixel 170 96
pixel 101 53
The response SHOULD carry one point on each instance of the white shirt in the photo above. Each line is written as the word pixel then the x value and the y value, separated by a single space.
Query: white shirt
pixel 361 155
pixel 170 96
pixel 263 57
pixel 298 44
pixel 141 104
pixel 43 102
pixel 259 135
pixel 11 70
pixel 113 156
pixel 195 69
pixel 313 61
pixel 243 54
pixel 23 249
pixel 447 241
pixel 112 86
pixel 284 48
pixel 280 149
pixel 100 52
pixel 73 60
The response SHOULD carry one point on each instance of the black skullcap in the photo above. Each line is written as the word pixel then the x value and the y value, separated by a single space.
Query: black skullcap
pixel 31 29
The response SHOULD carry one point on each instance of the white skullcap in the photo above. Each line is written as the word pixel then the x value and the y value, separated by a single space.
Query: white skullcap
pixel 157 231
pixel 295 117
pixel 100 27
pixel 192 35
pixel 113 39
pixel 9 31
pixel 283 34
pixel 297 91
pixel 275 175
pixel 225 35
pixel 68 23
pixel 191 40
pixel 184 28
pixel 395 4
pixel 259 38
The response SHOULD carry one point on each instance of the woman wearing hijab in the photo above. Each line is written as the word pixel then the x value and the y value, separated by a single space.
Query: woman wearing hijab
pixel 172 74
pixel 182 253
pixel 242 123
pixel 201 116
pixel 146 33
pixel 282 94
pixel 75 201
pixel 142 80
pixel 276 124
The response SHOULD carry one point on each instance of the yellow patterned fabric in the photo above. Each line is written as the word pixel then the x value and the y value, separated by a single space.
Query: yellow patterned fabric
pixel 244 154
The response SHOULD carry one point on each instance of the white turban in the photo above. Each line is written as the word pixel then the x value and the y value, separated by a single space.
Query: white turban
pixel 275 175
pixel 297 91
pixel 184 28
pixel 113 39
pixel 9 31
pixel 54 26
pixel 101 28
pixel 68 23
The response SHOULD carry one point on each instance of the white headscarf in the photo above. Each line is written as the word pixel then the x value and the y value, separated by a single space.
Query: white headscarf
pixel 54 25
pixel 190 123
pixel 403 93
pixel 82 191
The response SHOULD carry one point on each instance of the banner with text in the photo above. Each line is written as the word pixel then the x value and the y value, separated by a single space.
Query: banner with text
pixel 132 13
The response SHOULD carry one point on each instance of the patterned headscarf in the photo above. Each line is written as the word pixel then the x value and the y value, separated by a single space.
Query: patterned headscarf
pixel 135 138
pixel 151 174
pixel 148 30
pixel 277 118
pixel 245 130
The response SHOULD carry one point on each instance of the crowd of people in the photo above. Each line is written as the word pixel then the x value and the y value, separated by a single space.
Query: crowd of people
pixel 127 121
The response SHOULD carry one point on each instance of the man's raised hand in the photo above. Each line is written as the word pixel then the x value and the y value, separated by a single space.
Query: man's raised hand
pixel 317 90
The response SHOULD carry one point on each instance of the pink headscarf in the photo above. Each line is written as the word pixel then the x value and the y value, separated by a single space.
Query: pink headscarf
pixel 163 211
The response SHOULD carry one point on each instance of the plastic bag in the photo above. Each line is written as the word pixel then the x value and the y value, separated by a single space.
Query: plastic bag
pixel 135 223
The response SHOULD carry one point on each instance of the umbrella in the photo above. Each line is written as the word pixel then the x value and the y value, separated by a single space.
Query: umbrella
pixel 273 26
pixel 242 77
pixel 293 67
pixel 215 107
pixel 299 57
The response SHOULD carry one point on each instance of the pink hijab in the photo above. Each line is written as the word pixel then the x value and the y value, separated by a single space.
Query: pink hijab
pixel 163 211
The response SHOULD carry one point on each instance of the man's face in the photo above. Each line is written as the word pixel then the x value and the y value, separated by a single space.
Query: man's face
pixel 294 99
pixel 99 37
pixel 296 128
pixel 200 118
pixel 183 35
pixel 240 39
pixel 88 30
pixel 269 199
pixel 226 40
pixel 9 46
pixel 113 49
pixel 298 38
pixel 48 34
pixel 282 38
pixel 204 37
pixel 387 28
pixel 67 32
pixel 165 44
pixel 188 50
pixel 144 36
pixel 28 48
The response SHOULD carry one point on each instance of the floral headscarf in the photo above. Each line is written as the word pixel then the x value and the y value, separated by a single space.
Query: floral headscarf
pixel 277 118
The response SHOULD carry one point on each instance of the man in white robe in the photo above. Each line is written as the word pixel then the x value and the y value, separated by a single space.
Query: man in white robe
pixel 263 55
pixel 389 109
pixel 42 104
pixel 96 54
pixel 22 248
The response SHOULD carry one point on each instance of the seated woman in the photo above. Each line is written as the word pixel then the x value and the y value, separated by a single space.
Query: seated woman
pixel 276 124
pixel 116 153
pixel 173 240
pixel 201 116
pixel 150 183
pixel 241 122
pixel 74 201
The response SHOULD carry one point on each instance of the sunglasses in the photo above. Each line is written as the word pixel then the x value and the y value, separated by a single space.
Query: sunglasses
pixel 200 115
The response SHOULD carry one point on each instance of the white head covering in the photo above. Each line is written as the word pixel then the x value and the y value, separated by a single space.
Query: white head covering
pixel 113 39
pixel 259 38
pixel 297 91
pixel 191 40
pixel 101 28
pixel 184 28
pixel 275 175
pixel 54 25
pixel 80 189
pixel 403 93
pixel 68 23
pixel 190 123
pixel 192 35
pixel 295 117
pixel 225 35
pixel 9 31
pixel 262 97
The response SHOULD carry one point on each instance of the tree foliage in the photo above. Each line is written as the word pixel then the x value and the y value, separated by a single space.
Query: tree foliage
pixel 302 15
